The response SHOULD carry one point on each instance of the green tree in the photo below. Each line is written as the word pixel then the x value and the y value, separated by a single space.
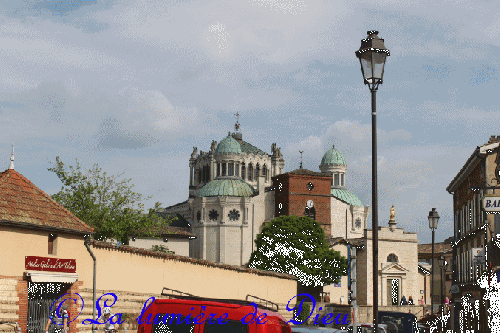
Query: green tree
pixel 297 246
pixel 112 208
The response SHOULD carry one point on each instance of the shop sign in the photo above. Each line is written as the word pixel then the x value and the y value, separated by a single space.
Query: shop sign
pixel 478 255
pixel 33 263
pixel 491 203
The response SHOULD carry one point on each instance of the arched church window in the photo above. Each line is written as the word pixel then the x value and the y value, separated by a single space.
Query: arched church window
pixel 218 169
pixel 358 223
pixel 265 172
pixel 243 171
pixel 310 212
pixel 213 215
pixel 234 215
pixel 230 169
pixel 223 169
pixel 250 172
pixel 257 172
pixel 198 216
pixel 392 258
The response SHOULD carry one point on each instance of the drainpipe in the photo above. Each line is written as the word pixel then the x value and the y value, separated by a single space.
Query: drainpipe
pixel 87 241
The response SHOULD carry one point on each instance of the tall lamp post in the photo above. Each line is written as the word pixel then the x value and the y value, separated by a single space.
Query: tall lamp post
pixel 433 224
pixel 372 55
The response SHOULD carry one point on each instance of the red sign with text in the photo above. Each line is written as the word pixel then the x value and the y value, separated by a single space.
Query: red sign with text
pixel 50 264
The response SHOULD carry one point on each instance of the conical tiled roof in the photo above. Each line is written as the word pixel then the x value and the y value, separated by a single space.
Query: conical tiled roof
pixel 22 202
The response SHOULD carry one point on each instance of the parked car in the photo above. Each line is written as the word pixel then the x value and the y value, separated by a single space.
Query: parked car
pixel 423 329
pixel 368 328
pixel 191 314
pixel 315 329
pixel 398 322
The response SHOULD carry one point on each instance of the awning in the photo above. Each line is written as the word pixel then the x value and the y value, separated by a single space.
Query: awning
pixel 52 277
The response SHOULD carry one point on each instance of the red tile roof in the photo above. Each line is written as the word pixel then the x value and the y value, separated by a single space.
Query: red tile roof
pixel 22 202
pixel 440 248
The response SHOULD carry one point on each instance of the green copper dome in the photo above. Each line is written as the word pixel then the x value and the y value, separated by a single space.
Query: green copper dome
pixel 346 196
pixel 333 156
pixel 233 187
pixel 228 145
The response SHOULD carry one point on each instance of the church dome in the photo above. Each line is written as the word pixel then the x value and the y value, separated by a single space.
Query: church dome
pixel 228 145
pixel 333 157
pixel 233 187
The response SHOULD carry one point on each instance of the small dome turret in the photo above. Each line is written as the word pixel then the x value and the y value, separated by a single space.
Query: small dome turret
pixel 333 157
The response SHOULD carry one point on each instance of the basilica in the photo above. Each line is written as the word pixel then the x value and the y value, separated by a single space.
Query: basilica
pixel 236 188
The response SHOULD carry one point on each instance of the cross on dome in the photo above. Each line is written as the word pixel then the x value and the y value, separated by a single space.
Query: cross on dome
pixel 237 125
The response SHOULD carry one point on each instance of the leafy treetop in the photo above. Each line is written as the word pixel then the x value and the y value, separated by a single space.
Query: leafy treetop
pixel 112 208
pixel 297 246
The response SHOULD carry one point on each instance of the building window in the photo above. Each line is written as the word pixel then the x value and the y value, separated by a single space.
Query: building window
pixel 199 175
pixel 234 215
pixel 310 212
pixel 213 215
pixel 358 223
pixel 342 180
pixel 223 169
pixel 392 258
pixel 237 170
pixel 52 239
pixel 257 172
pixel 218 169
pixel 336 180
pixel 230 169
pixel 250 172
pixel 198 216
pixel 310 186
pixel 243 171
pixel 265 172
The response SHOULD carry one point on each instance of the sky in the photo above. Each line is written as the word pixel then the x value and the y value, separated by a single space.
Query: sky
pixel 134 85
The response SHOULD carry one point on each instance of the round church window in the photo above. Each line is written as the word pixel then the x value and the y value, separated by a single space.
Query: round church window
pixel 234 215
pixel 213 215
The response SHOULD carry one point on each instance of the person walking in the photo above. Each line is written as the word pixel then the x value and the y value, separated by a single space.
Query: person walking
pixel 58 322
pixel 422 302
pixel 404 301
pixel 410 300
pixel 108 326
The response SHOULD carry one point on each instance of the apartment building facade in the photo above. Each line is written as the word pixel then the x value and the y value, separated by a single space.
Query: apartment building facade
pixel 475 253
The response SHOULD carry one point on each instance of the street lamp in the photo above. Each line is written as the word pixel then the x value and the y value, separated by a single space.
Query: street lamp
pixel 433 224
pixel 372 55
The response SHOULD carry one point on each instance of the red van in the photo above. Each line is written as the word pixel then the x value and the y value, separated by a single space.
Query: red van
pixel 191 314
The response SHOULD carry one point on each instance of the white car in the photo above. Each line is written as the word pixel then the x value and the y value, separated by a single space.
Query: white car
pixel 368 328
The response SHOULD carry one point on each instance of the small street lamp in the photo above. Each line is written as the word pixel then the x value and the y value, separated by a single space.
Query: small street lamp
pixel 433 224
pixel 372 55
